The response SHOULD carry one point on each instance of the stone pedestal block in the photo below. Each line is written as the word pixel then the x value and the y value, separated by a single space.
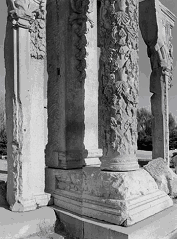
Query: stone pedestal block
pixel 161 225
pixel 121 198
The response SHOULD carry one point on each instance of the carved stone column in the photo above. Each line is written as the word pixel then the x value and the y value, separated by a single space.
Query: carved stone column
pixel 156 22
pixel 123 198
pixel 118 84
pixel 72 84
pixel 24 56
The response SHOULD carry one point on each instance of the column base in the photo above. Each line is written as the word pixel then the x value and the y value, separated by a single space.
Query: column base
pixel 92 157
pixel 73 159
pixel 161 225
pixel 120 164
pixel 24 205
pixel 121 198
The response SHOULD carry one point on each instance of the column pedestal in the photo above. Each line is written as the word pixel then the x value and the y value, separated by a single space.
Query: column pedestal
pixel 121 198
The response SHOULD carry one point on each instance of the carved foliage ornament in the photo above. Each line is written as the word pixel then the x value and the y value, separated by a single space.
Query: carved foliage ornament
pixel 78 20
pixel 119 80
pixel 34 12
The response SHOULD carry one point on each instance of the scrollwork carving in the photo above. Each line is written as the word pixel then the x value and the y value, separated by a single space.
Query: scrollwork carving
pixel 34 12
pixel 119 75
pixel 78 20
pixel 38 33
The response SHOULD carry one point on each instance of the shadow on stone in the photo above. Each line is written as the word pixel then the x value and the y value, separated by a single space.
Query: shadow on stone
pixel 3 190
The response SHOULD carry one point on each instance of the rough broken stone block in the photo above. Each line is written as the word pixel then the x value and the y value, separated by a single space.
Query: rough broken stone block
pixel 121 198
pixel 164 176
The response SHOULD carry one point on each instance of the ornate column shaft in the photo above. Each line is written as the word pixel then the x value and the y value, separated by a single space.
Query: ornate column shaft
pixel 24 53
pixel 118 84
pixel 156 32
pixel 125 196
pixel 72 84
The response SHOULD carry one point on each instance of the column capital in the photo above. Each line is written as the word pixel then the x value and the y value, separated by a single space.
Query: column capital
pixel 28 9
pixel 20 22
pixel 30 14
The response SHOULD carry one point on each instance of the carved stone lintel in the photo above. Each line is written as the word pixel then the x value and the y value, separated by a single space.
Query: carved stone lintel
pixel 118 81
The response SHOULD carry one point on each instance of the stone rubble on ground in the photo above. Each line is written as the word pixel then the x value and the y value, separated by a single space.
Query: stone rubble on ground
pixel 164 176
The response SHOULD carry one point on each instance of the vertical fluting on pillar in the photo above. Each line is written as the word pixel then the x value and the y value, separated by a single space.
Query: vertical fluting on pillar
pixel 118 84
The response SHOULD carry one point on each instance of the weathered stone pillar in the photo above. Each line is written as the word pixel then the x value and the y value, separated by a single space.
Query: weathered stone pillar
pixel 72 84
pixel 118 84
pixel 122 193
pixel 24 56
pixel 156 22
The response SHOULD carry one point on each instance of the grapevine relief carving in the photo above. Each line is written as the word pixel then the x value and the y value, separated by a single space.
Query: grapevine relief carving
pixel 78 19
pixel 161 54
pixel 119 75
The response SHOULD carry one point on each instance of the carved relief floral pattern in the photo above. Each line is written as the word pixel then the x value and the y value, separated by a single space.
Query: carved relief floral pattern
pixel 78 20
pixel 119 75
pixel 34 12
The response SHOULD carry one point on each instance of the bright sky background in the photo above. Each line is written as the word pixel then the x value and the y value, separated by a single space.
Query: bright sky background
pixel 144 64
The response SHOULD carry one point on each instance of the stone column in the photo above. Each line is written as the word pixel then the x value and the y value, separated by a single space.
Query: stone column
pixel 156 32
pixel 159 108
pixel 24 53
pixel 118 84
pixel 119 192
pixel 72 84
